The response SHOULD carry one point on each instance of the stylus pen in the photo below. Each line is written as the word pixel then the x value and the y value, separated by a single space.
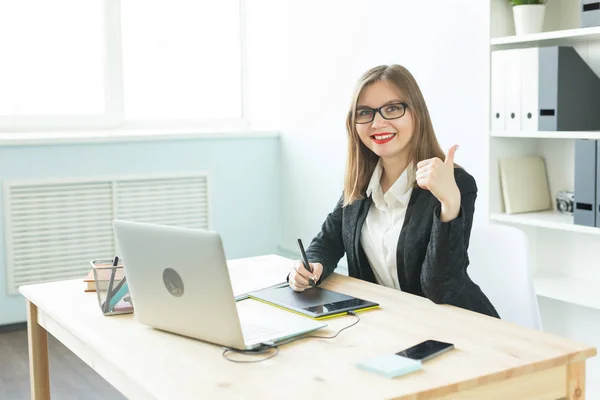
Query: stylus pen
pixel 305 262
pixel 111 282
pixel 110 296
pixel 116 295
pixel 119 294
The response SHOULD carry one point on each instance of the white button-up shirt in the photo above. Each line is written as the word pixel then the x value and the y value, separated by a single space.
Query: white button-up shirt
pixel 381 230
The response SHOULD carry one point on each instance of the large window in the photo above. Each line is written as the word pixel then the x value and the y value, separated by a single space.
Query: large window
pixel 118 63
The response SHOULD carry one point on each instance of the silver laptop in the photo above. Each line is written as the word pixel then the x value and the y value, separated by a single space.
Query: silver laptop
pixel 179 282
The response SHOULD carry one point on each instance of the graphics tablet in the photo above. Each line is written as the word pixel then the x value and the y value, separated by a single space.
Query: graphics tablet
pixel 315 303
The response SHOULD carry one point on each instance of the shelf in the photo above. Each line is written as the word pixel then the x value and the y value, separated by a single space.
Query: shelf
pixel 548 134
pixel 546 219
pixel 567 37
pixel 582 292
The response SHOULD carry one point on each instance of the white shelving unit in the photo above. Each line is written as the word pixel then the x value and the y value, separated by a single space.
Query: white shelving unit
pixel 567 37
pixel 545 219
pixel 548 134
pixel 566 256
pixel 573 290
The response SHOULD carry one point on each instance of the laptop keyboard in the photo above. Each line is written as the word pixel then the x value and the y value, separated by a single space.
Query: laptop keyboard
pixel 254 333
pixel 261 322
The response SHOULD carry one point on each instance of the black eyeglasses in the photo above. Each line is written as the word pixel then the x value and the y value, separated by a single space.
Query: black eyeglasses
pixel 364 115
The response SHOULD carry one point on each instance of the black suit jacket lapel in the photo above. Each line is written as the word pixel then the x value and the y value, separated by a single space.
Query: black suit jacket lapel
pixel 358 217
pixel 412 211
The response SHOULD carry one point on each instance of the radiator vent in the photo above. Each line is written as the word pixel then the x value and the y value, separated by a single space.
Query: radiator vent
pixel 54 228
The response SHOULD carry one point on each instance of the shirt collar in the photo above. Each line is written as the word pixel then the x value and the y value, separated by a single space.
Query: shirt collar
pixel 398 193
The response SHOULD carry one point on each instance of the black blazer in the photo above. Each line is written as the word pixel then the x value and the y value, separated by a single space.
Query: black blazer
pixel 431 255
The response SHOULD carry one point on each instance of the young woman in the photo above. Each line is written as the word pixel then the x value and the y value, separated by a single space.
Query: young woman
pixel 405 216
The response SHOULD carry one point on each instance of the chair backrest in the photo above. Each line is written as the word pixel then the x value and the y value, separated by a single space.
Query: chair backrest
pixel 499 264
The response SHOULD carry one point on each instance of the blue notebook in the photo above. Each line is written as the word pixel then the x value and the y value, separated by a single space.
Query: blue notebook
pixel 390 365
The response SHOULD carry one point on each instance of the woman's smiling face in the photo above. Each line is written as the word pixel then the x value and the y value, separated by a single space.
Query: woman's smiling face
pixel 388 138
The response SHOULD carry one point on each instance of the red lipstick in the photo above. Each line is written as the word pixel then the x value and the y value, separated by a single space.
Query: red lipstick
pixel 382 138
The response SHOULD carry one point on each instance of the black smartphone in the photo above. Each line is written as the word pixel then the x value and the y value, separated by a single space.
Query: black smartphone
pixel 426 350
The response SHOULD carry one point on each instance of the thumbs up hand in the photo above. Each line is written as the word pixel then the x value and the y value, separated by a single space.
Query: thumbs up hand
pixel 437 176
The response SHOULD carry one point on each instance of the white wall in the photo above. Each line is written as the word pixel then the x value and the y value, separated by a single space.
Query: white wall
pixel 313 53
pixel 304 58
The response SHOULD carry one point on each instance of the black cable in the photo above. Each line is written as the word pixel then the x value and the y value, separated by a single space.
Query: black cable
pixel 260 350
pixel 324 337
pixel 265 347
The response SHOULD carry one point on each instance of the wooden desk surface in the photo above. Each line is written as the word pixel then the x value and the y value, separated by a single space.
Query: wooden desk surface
pixel 146 363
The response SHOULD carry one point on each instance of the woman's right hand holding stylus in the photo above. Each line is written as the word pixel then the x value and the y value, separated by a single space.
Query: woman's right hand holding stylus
pixel 299 276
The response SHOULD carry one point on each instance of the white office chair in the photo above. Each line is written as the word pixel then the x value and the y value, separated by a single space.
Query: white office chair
pixel 499 264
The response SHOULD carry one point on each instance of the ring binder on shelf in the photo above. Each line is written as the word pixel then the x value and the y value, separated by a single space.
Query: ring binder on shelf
pixel 585 183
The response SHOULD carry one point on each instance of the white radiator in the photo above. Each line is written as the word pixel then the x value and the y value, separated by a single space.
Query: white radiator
pixel 53 228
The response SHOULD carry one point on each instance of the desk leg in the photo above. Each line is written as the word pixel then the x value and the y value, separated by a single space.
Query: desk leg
pixel 576 381
pixel 39 374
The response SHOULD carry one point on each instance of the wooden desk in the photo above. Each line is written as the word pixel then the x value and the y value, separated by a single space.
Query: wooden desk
pixel 493 359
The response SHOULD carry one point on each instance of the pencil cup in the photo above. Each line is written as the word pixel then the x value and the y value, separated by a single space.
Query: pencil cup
pixel 111 288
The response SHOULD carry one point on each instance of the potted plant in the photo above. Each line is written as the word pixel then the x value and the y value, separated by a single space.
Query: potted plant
pixel 528 15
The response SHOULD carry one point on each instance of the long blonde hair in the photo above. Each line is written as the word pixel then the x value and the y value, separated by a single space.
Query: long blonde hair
pixel 361 160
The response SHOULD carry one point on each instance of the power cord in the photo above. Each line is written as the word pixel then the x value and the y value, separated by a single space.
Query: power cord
pixel 266 347
pixel 261 350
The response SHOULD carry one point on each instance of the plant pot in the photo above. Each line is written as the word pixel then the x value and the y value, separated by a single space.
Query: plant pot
pixel 529 18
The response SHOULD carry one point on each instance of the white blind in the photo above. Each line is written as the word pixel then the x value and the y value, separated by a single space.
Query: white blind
pixel 54 229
